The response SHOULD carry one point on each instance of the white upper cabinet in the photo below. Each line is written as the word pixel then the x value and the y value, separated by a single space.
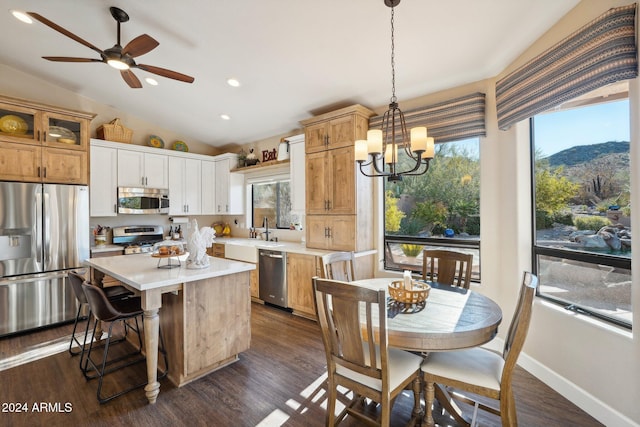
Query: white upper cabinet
pixel 198 184
pixel 138 169
pixel 104 181
pixel 229 186
pixel 185 184
pixel 208 190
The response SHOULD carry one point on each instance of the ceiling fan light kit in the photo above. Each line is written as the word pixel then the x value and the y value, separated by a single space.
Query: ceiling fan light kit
pixel 118 57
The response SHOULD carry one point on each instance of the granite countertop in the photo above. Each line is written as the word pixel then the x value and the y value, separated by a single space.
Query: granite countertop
pixel 141 271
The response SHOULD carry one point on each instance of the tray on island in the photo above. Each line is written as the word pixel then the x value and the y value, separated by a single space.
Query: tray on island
pixel 169 257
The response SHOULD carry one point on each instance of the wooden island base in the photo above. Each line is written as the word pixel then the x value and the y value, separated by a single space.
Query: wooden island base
pixel 206 325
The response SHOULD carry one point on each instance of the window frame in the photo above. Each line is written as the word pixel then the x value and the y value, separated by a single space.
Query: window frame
pixel 447 242
pixel 267 179
pixel 573 255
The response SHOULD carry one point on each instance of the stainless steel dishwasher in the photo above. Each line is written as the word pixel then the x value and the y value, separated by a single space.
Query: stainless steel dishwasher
pixel 273 277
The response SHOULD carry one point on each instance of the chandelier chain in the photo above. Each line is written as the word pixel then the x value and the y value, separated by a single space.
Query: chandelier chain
pixel 393 63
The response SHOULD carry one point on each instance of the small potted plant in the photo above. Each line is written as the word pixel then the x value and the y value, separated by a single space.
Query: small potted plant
pixel 242 159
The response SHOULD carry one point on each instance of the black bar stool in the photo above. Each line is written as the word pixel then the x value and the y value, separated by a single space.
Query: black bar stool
pixel 114 312
pixel 113 293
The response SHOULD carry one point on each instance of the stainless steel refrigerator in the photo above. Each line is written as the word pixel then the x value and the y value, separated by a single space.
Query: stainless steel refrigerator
pixel 44 233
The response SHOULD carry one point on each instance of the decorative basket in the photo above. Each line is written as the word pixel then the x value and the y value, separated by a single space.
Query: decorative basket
pixel 115 131
pixel 419 292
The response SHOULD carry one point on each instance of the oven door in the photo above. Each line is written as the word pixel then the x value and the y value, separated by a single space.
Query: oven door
pixel 142 201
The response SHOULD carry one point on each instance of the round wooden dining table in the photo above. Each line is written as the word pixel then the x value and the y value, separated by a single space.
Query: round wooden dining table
pixel 451 318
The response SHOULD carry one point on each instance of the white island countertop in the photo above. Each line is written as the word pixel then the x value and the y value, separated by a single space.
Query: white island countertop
pixel 141 271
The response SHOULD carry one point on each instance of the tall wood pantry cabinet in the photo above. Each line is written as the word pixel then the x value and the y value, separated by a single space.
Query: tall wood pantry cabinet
pixel 339 199
pixel 43 143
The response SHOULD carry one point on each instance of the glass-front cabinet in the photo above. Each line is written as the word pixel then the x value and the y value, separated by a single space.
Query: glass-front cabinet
pixel 18 124
pixel 42 143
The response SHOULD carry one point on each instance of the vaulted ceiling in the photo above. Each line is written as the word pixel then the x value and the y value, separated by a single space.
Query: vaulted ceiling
pixel 293 58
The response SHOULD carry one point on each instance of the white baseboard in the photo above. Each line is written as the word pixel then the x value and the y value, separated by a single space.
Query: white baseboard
pixel 576 395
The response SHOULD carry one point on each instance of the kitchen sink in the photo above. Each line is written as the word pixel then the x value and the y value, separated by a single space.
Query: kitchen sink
pixel 270 244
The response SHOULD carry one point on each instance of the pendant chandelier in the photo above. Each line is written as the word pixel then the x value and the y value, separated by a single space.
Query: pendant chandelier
pixel 384 143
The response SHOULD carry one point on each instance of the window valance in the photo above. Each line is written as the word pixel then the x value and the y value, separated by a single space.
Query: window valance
pixel 450 120
pixel 602 52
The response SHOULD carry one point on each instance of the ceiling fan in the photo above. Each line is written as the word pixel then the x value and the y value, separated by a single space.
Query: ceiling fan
pixel 121 58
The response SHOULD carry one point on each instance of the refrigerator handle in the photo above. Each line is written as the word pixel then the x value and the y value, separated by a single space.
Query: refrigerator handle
pixel 46 226
pixel 38 232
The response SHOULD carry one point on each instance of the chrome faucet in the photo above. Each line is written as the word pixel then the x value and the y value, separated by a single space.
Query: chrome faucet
pixel 265 224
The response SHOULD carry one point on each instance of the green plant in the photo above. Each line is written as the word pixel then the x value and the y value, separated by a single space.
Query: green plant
pixel 543 220
pixel 473 225
pixel 392 216
pixel 431 213
pixel 562 217
pixel 410 249
pixel 553 190
pixel 591 222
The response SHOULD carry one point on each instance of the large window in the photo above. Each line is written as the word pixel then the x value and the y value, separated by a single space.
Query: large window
pixel 271 200
pixel 582 236
pixel 439 209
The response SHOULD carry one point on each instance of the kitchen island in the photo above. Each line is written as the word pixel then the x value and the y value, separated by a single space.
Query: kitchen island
pixel 205 312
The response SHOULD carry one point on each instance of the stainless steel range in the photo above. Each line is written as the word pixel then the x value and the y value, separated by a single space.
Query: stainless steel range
pixel 137 239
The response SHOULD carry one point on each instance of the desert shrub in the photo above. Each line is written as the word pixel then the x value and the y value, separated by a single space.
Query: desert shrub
pixel 591 222
pixel 438 229
pixel 543 220
pixel 473 225
pixel 410 249
pixel 562 217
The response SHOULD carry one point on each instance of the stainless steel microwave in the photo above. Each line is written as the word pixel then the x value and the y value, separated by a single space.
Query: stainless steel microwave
pixel 143 200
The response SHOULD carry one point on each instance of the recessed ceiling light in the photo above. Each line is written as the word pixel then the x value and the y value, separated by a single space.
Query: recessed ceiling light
pixel 233 82
pixel 152 82
pixel 22 16
pixel 225 117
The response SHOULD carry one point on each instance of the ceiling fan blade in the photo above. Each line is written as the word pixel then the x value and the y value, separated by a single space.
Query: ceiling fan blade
pixel 166 73
pixel 61 30
pixel 69 59
pixel 131 79
pixel 140 45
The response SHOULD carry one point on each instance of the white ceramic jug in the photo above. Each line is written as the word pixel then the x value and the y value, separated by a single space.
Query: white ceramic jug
pixel 283 150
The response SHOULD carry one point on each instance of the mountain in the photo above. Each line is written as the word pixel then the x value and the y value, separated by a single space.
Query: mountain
pixel 586 153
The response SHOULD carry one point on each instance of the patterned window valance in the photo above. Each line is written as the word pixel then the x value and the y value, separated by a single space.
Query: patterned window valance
pixel 447 121
pixel 602 52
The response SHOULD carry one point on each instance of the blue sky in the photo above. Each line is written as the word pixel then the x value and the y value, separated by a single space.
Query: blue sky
pixel 582 126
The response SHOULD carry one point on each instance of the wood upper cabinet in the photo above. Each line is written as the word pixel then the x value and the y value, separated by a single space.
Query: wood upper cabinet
pixel 42 143
pixel 331 181
pixel 339 199
pixel 300 270
pixel 336 129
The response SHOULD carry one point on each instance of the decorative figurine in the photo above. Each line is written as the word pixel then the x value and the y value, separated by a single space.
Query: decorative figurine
pixel 199 241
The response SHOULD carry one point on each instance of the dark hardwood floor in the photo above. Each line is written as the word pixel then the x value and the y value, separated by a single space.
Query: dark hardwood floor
pixel 279 381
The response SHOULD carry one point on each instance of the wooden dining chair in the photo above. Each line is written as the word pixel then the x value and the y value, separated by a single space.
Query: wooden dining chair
pixel 481 371
pixel 447 267
pixel 339 266
pixel 354 331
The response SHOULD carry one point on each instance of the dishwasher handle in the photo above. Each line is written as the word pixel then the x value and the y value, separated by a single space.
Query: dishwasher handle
pixel 271 255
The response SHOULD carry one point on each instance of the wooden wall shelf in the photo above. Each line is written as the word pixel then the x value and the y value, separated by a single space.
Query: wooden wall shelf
pixel 261 166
